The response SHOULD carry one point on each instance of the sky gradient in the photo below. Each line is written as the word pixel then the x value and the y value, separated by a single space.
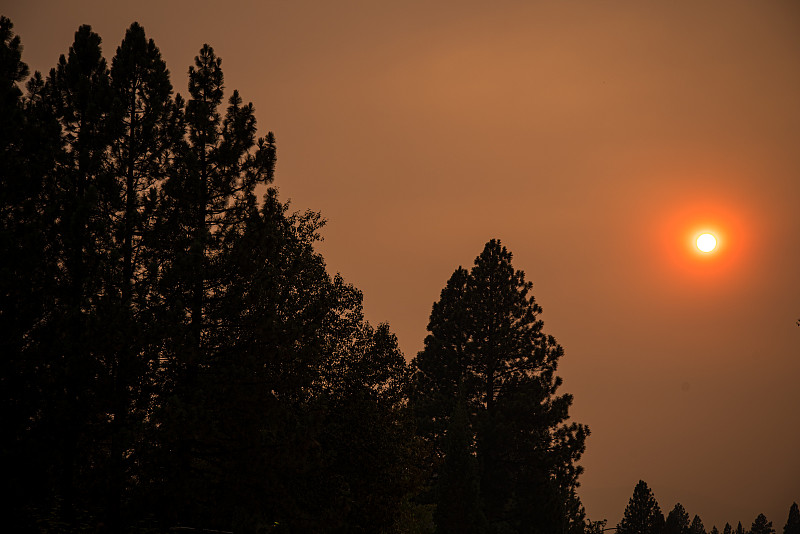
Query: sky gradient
pixel 596 140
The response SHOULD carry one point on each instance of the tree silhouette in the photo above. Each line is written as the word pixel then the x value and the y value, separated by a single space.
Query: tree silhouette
pixel 204 205
pixel 793 521
pixel 677 521
pixel 142 97
pixel 762 526
pixel 697 526
pixel 79 201
pixel 486 340
pixel 174 350
pixel 642 515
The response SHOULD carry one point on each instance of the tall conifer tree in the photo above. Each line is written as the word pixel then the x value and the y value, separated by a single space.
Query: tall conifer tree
pixel 79 197
pixel 642 515
pixel 677 521
pixel 486 336
pixel 203 210
pixel 140 151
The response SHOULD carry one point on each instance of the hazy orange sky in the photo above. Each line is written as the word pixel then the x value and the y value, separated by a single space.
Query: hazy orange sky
pixel 596 140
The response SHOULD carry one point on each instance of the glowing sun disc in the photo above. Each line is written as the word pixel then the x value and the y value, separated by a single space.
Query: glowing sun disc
pixel 706 242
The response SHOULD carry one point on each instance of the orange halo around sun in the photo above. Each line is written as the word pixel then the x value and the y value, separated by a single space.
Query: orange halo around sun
pixel 706 242
pixel 677 222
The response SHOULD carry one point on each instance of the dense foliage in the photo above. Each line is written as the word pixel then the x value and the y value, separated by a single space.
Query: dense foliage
pixel 174 351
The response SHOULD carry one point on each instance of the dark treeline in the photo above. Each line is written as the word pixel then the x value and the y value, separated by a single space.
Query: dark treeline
pixel 643 516
pixel 176 355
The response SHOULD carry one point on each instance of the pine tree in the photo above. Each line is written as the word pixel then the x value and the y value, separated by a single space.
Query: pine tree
pixel 697 526
pixel 486 337
pixel 141 91
pixel 677 521
pixel 739 528
pixel 793 521
pixel 714 530
pixel 78 199
pixel 206 202
pixel 762 526
pixel 203 210
pixel 728 529
pixel 642 515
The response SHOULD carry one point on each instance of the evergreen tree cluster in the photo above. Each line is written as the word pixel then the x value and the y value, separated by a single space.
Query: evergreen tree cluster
pixel 176 357
pixel 643 516
pixel 174 352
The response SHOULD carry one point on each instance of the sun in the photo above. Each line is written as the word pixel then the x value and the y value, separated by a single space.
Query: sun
pixel 706 242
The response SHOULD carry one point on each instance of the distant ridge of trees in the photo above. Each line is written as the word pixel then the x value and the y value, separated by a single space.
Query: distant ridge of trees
pixel 643 516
